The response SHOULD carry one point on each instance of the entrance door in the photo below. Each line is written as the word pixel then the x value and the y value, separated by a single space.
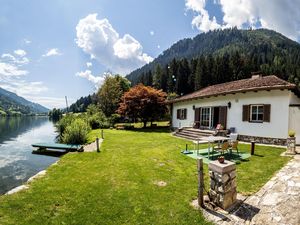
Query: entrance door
pixel 205 117
pixel 294 121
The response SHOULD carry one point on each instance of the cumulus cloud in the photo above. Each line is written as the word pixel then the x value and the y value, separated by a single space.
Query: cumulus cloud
pixel 102 42
pixel 20 52
pixel 52 52
pixel 282 16
pixel 202 20
pixel 151 32
pixel 89 64
pixel 97 80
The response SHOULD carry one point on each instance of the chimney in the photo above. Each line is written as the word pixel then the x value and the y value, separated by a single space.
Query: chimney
pixel 256 75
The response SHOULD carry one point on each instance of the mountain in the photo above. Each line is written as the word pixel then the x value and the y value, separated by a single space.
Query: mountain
pixel 10 103
pixel 228 54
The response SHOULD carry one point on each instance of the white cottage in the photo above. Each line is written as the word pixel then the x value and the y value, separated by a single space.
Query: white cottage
pixel 260 108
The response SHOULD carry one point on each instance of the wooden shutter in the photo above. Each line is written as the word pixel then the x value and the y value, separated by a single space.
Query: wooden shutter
pixel 178 113
pixel 267 113
pixel 197 118
pixel 246 112
pixel 184 114
pixel 223 116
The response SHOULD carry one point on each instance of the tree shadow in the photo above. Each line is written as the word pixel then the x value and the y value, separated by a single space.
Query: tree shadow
pixel 160 129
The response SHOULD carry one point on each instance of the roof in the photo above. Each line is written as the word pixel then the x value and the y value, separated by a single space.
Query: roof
pixel 256 83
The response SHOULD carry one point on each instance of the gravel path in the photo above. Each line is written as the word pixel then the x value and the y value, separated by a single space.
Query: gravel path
pixel 92 147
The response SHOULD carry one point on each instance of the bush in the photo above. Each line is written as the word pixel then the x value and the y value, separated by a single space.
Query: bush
pixel 62 124
pixel 76 132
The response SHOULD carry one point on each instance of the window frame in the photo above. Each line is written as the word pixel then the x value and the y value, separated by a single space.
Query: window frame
pixel 182 114
pixel 257 113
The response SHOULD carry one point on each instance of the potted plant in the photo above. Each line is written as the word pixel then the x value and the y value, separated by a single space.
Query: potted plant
pixel 291 143
pixel 292 133
pixel 221 159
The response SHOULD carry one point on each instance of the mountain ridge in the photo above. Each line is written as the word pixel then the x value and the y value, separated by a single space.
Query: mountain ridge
pixel 11 103
pixel 260 42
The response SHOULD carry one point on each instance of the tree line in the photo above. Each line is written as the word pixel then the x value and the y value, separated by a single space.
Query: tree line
pixel 183 76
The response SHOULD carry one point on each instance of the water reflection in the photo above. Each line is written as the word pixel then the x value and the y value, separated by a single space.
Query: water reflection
pixel 17 163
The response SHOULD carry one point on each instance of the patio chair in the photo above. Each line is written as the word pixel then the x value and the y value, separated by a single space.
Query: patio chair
pixel 234 147
pixel 224 147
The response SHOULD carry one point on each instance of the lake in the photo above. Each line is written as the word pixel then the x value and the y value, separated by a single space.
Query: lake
pixel 17 163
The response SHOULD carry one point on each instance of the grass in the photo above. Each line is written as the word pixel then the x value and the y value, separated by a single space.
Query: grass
pixel 118 185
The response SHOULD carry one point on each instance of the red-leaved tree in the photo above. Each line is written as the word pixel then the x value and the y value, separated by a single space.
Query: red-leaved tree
pixel 144 103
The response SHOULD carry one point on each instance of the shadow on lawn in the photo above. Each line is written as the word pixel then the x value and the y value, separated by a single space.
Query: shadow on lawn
pixel 160 129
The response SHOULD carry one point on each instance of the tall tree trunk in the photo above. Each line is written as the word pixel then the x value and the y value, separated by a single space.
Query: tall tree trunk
pixel 145 124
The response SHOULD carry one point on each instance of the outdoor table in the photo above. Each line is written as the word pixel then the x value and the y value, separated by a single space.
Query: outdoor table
pixel 197 142
pixel 211 140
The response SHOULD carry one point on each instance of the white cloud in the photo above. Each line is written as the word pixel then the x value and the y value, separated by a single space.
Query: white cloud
pixel 26 41
pixel 7 69
pixel 20 52
pixel 97 80
pixel 89 64
pixel 52 52
pixel 101 41
pixel 282 16
pixel 12 75
pixel 50 102
pixel 151 32
pixel 158 46
pixel 202 20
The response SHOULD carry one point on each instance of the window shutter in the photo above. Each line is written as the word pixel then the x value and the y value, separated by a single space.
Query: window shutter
pixel 223 116
pixel 178 113
pixel 185 114
pixel 267 113
pixel 246 112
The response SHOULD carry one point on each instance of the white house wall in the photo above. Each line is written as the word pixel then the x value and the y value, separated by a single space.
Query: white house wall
pixel 279 117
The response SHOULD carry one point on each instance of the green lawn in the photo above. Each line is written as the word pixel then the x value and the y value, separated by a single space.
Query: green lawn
pixel 118 185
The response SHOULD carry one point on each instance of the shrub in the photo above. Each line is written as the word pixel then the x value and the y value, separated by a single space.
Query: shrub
pixel 62 124
pixel 292 133
pixel 76 132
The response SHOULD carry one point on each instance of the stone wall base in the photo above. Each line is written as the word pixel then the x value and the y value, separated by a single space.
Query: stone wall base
pixel 263 140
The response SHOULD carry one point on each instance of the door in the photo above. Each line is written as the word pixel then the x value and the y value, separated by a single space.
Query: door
pixel 205 117
pixel 294 121
pixel 223 116
pixel 197 118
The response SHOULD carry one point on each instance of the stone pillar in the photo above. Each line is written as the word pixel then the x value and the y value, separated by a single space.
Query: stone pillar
pixel 291 146
pixel 222 183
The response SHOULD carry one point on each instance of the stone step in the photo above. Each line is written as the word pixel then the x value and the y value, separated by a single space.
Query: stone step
pixel 199 134
pixel 185 136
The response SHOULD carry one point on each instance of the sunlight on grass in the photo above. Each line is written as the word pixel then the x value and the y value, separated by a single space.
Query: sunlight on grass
pixel 119 185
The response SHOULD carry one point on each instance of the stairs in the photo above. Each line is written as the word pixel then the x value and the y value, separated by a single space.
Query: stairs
pixel 193 134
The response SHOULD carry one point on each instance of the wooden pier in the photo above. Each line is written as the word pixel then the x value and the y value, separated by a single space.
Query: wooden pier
pixel 55 148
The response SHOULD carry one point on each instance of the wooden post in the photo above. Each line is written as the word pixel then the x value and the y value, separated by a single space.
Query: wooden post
pixel 102 134
pixel 252 147
pixel 200 182
pixel 97 143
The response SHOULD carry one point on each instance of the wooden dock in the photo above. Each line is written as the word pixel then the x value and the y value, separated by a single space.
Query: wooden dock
pixel 54 147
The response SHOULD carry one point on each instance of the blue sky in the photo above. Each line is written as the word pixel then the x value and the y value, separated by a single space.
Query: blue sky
pixel 51 49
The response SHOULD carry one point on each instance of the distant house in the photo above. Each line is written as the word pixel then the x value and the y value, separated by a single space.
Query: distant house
pixel 260 108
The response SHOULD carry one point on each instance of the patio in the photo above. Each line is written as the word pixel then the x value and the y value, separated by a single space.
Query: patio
pixel 203 153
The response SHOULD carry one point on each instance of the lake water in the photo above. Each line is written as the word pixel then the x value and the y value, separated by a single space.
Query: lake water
pixel 17 163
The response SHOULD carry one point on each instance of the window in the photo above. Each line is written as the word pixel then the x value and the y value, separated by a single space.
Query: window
pixel 257 113
pixel 181 114
pixel 205 117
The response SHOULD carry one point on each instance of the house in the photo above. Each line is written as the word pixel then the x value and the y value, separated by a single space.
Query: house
pixel 261 108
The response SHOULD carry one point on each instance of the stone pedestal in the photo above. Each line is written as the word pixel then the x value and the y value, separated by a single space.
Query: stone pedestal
pixel 222 183
pixel 291 146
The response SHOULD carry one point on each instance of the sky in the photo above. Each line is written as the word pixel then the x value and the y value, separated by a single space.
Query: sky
pixel 55 48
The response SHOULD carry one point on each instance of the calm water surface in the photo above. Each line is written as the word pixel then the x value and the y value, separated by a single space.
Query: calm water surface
pixel 17 163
